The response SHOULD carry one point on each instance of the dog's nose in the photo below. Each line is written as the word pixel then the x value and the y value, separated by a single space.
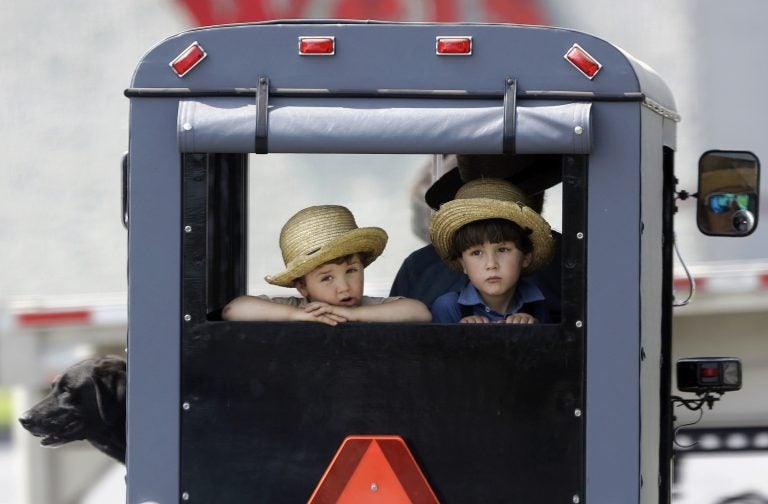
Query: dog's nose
pixel 25 419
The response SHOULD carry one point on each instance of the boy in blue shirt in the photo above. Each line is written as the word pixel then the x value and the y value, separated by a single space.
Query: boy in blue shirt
pixel 490 233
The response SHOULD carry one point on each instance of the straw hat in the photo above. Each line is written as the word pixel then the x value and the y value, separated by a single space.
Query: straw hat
pixel 728 179
pixel 532 173
pixel 489 198
pixel 319 234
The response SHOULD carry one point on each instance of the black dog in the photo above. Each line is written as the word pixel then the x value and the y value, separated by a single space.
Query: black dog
pixel 86 402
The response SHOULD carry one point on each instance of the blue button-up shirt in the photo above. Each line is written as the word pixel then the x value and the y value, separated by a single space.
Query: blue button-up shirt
pixel 447 308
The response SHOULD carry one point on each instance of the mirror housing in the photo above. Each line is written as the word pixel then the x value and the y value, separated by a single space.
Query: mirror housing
pixel 729 193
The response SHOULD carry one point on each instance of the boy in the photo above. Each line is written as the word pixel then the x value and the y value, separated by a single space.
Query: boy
pixel 325 254
pixel 491 234
pixel 423 275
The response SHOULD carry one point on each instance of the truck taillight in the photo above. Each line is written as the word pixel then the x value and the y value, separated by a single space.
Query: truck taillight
pixel 48 318
pixel 188 59
pixel 702 374
pixel 583 61
pixel 317 46
pixel 453 46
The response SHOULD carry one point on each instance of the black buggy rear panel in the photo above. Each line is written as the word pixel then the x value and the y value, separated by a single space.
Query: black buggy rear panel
pixel 266 405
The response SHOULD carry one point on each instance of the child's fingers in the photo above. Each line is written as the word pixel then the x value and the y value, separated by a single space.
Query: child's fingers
pixel 333 316
pixel 521 318
pixel 326 320
pixel 328 311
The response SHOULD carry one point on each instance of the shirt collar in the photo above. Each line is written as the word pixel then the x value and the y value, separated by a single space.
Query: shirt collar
pixel 526 292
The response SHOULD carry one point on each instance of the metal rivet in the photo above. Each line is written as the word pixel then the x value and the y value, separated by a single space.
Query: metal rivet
pixel 580 235
pixel 576 499
pixel 186 126
pixel 187 229
pixel 578 130
pixel 187 317
pixel 185 496
pixel 185 406
pixel 374 487
pixel 579 323
pixel 577 412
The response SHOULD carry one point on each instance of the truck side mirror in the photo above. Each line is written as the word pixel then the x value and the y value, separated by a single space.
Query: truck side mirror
pixel 728 195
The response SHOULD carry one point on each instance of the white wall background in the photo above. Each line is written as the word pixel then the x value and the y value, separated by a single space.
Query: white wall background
pixel 63 129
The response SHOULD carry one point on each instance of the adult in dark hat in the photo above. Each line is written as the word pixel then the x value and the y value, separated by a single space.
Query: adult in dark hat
pixel 423 274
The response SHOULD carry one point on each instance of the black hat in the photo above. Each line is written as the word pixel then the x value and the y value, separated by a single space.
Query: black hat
pixel 532 173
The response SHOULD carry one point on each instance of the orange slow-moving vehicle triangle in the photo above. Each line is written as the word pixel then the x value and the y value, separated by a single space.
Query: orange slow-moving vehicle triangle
pixel 373 469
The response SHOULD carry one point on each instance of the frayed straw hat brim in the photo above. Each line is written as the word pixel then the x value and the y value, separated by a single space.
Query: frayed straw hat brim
pixel 718 180
pixel 368 240
pixel 460 212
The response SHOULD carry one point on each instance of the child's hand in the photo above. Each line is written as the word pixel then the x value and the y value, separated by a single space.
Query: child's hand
pixel 326 313
pixel 520 318
pixel 474 319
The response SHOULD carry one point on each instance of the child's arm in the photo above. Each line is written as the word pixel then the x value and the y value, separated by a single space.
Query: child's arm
pixel 255 308
pixel 399 310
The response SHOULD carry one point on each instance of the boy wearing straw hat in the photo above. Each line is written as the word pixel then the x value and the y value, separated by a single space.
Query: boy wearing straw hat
pixel 325 254
pixel 423 275
pixel 491 234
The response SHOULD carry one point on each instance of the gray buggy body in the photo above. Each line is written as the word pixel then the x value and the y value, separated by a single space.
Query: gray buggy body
pixel 251 412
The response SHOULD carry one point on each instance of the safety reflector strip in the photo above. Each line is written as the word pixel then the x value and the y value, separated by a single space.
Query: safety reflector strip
pixel 53 318
pixel 453 46
pixel 583 61
pixel 317 46
pixel 188 59
pixel 373 469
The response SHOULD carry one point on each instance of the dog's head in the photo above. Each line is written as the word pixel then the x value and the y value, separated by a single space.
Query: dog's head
pixel 86 399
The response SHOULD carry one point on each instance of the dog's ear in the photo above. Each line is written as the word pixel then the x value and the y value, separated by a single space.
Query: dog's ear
pixel 108 379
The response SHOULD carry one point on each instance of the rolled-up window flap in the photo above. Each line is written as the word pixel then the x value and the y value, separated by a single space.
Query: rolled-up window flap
pixel 382 126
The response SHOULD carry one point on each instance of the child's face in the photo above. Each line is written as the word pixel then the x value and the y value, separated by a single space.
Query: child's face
pixel 335 284
pixel 494 268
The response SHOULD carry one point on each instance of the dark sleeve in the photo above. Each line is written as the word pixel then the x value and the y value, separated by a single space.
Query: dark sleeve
pixel 549 281
pixel 424 276
pixel 445 309
pixel 539 309
pixel 401 286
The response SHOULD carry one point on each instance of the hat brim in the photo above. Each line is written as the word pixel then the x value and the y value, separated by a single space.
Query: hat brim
pixel 457 213
pixel 541 174
pixel 718 180
pixel 369 241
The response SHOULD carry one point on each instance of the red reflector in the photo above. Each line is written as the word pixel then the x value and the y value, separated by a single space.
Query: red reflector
pixel 54 318
pixel 188 59
pixel 322 46
pixel 453 45
pixel 582 60
pixel 710 372
pixel 373 469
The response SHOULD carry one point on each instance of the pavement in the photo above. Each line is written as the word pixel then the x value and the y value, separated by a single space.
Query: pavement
pixel 110 489
pixel 8 476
